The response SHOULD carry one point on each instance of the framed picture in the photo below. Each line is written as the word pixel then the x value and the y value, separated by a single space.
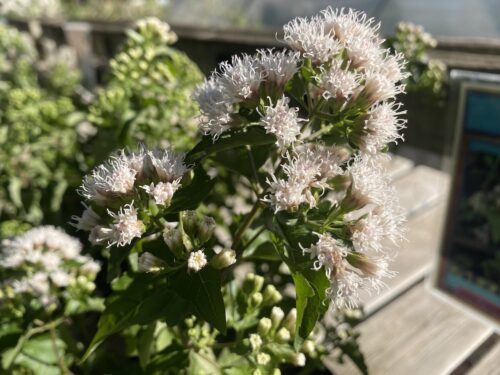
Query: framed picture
pixel 469 262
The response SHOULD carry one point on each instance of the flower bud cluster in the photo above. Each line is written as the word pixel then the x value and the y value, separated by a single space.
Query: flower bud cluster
pixel 122 190
pixel 44 265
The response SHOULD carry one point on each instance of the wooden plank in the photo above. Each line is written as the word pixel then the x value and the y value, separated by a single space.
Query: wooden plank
pixel 489 364
pixel 415 257
pixel 419 333
pixel 422 188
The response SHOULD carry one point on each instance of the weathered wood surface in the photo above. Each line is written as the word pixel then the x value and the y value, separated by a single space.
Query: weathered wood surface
pixel 422 188
pixel 418 333
pixel 489 364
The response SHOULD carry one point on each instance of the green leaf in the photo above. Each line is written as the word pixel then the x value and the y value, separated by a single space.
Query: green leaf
pixel 203 363
pixel 305 294
pixel 265 251
pixel 15 186
pixel 208 300
pixel 116 257
pixel 251 135
pixel 189 197
pixel 243 161
pixel 145 344
pixel 168 361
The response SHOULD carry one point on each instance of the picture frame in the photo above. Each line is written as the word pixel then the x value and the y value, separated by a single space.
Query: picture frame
pixel 468 265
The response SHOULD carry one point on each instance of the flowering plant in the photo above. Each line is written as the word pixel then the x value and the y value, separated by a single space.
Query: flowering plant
pixel 295 137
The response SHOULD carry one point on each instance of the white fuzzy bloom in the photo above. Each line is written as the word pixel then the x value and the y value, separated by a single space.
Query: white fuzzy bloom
pixel 138 162
pixel 311 39
pixel 87 221
pixel 348 272
pixel 329 254
pixel 168 166
pixel 162 192
pixel 90 267
pixel 349 24
pixel 45 245
pixel 113 178
pixel 282 121
pixel 370 184
pixel 197 260
pixel 125 228
pixel 381 127
pixel 278 67
pixel 393 66
pixel 337 82
pixel 378 87
pixel 240 79
pixel 215 108
pixel 60 278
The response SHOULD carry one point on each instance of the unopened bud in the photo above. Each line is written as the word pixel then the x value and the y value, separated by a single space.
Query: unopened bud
pixel 264 326
pixel 308 347
pixel 276 371
pixel 257 372
pixel 255 342
pixel 256 300
pixel 290 320
pixel 149 263
pixel 271 295
pixel 252 283
pixel 364 263
pixel 277 316
pixel 299 360
pixel 206 229
pixel 225 258
pixel 283 335
pixel 173 238
pixel 263 359
pixel 190 222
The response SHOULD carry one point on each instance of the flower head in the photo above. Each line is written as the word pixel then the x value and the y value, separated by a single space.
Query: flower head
pixel 126 226
pixel 197 260
pixel 282 121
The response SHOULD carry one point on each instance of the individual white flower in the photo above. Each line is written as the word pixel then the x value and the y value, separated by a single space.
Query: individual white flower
pixel 110 179
pixel 349 24
pixel 255 341
pixel 162 192
pixel 50 261
pixel 197 260
pixel 329 254
pixel 278 67
pixel 378 87
pixel 349 272
pixel 288 194
pixel 90 267
pixel 168 166
pixel 393 66
pixel 263 359
pixel 240 79
pixel 126 226
pixel 87 221
pixel 370 186
pixel 282 121
pixel 215 108
pixel 311 39
pixel 338 82
pixel 60 278
pixel 138 162
pixel 381 127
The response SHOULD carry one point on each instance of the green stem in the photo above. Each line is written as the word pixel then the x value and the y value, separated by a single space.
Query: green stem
pixel 256 235
pixel 60 359
pixel 246 223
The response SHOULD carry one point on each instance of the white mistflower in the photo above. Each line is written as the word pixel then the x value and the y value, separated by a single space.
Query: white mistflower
pixel 278 67
pixel 168 166
pixel 349 24
pixel 90 267
pixel 311 39
pixel 349 272
pixel 162 192
pixel 381 127
pixel 337 82
pixel 138 162
pixel 40 261
pixel 288 194
pixel 113 178
pixel 240 79
pixel 197 260
pixel 393 66
pixel 378 87
pixel 282 121
pixel 370 186
pixel 125 228
pixel 87 221
pixel 215 108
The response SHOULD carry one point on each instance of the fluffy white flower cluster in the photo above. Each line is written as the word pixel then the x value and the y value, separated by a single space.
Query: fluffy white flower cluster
pixel 356 70
pixel 155 26
pixel 237 84
pixel 42 261
pixel 127 181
